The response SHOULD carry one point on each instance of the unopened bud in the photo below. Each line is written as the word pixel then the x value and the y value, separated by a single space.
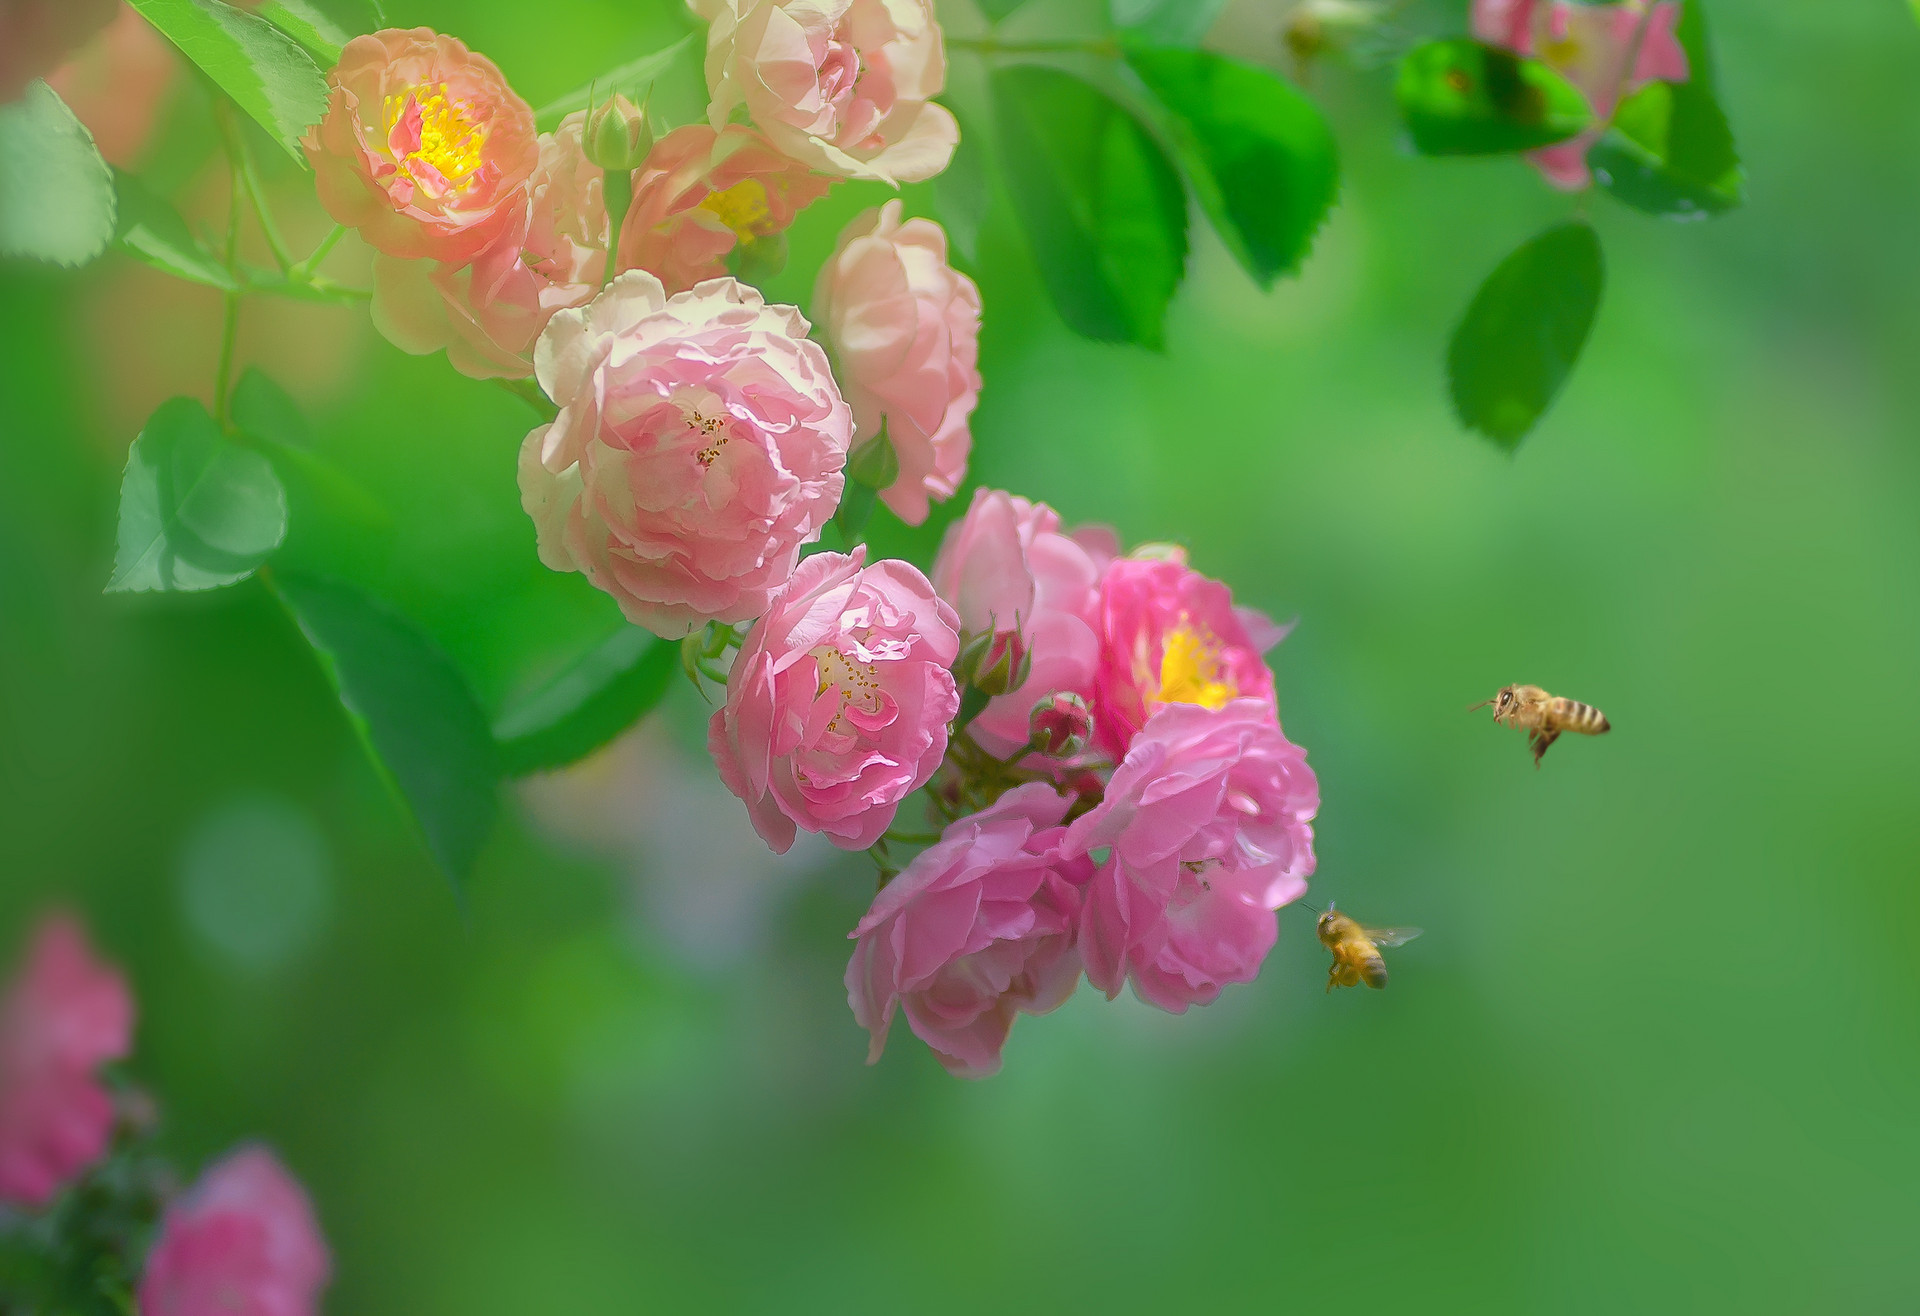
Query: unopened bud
pixel 1062 724
pixel 995 662
pixel 618 136
pixel 874 463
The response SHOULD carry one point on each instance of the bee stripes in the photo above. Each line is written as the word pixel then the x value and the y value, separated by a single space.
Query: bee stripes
pixel 1545 717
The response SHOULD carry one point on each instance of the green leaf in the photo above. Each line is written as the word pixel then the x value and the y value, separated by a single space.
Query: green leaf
pixel 56 193
pixel 413 710
pixel 631 79
pixel 322 26
pixel 1671 152
pixel 1460 97
pixel 1167 22
pixel 197 511
pixel 262 68
pixel 962 192
pixel 1260 156
pixel 1102 207
pixel 1523 332
pixel 264 410
pixel 153 230
pixel 995 10
pixel 587 703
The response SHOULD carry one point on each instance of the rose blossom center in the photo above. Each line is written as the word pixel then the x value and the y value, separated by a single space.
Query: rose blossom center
pixel 744 208
pixel 1190 670
pixel 433 139
pixel 840 68
pixel 711 428
pixel 855 684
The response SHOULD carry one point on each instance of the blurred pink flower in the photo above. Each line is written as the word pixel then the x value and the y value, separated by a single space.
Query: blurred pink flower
pixel 1588 45
pixel 488 315
pixel 1007 564
pixel 64 1016
pixel 701 194
pixel 845 86
pixel 978 928
pixel 700 443
pixel 1170 635
pixel 424 148
pixel 838 702
pixel 241 1242
pixel 117 83
pixel 37 35
pixel 905 328
pixel 1209 820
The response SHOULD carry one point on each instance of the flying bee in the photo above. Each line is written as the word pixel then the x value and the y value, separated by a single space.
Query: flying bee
pixel 1356 949
pixel 1544 716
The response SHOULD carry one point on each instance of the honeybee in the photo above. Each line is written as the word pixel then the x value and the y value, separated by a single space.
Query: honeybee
pixel 1544 716
pixel 1356 949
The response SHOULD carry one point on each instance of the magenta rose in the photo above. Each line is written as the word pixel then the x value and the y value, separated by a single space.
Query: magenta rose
pixel 1209 822
pixel 37 35
pixel 241 1242
pixel 1170 635
pixel 905 326
pixel 978 929
pixel 488 315
pixel 1589 46
pixel 844 86
pixel 700 443
pixel 838 702
pixel 1007 564
pixel 703 194
pixel 424 148
pixel 65 1015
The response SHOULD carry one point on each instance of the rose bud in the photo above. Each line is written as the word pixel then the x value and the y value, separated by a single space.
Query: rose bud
pixel 618 135
pixel 995 662
pixel 1062 724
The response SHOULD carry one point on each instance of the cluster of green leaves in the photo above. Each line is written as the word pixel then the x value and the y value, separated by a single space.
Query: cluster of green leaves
pixel 1665 151
pixel 1100 145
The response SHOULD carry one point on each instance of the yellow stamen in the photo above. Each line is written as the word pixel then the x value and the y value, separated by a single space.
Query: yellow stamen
pixel 858 683
pixel 1190 670
pixel 450 142
pixel 743 208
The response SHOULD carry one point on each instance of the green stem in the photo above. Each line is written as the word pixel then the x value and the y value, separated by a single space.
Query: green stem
pixel 1103 46
pixel 305 269
pixel 619 196
pixel 528 391
pixel 268 229
pixel 230 326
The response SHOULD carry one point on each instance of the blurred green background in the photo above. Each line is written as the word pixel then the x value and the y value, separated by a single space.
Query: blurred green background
pixel 1657 1050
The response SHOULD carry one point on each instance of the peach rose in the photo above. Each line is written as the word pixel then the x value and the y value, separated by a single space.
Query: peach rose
pixel 905 326
pixel 846 86
pixel 424 148
pixel 487 315
pixel 702 193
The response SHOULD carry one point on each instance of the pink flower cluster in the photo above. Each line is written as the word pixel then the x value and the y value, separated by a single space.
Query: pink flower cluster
pixel 1157 855
pixel 241 1242
pixel 1590 46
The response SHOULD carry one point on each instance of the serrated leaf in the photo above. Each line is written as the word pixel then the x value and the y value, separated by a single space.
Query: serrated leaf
pixel 322 26
pixel 197 511
pixel 630 79
pixel 264 70
pixel 1167 22
pixel 1102 207
pixel 1523 332
pixel 413 709
pixel 586 704
pixel 1671 152
pixel 1259 154
pixel 963 193
pixel 1461 97
pixel 150 228
pixel 56 193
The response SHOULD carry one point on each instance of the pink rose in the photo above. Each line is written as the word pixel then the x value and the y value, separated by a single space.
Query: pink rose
pixel 845 86
pixel 241 1242
pixel 905 326
pixel 487 315
pixel 699 444
pixel 838 702
pixel 1007 564
pixel 1588 45
pixel 117 84
pixel 65 1015
pixel 701 193
pixel 1209 819
pixel 37 35
pixel 978 928
pixel 424 148
pixel 1169 635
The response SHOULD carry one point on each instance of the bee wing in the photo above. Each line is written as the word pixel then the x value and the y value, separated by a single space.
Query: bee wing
pixel 1388 938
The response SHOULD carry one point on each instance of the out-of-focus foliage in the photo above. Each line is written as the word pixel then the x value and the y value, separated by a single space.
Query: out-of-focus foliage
pixel 1464 98
pixel 56 193
pixel 265 71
